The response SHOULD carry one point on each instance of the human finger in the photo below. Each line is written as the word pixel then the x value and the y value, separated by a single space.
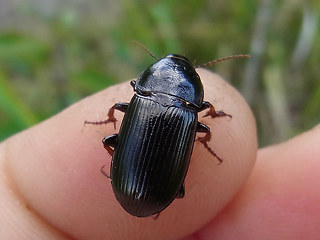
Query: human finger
pixel 281 198
pixel 54 169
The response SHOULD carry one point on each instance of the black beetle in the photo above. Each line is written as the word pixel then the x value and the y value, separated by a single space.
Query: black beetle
pixel 151 152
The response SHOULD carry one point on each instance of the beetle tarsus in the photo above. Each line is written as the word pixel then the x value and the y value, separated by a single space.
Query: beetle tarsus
pixel 206 138
pixel 110 119
pixel 102 122
pixel 103 172
pixel 205 129
pixel 204 141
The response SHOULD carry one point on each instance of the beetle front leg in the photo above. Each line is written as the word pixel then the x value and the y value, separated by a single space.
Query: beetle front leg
pixel 206 138
pixel 212 111
pixel 111 118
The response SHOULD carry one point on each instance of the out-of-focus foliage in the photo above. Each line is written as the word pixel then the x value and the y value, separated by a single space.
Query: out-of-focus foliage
pixel 53 53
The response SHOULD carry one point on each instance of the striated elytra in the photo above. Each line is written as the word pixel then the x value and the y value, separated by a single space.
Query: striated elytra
pixel 152 151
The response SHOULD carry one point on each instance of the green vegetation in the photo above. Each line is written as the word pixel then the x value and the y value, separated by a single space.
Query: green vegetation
pixel 52 56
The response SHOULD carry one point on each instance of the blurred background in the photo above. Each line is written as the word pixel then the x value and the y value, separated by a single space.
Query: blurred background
pixel 55 52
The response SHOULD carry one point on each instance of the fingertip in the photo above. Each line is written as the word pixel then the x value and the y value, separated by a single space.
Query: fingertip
pixel 61 181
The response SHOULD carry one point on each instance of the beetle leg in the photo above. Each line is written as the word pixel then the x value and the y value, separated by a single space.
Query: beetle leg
pixel 206 138
pixel 181 192
pixel 155 216
pixel 133 83
pixel 118 106
pixel 103 172
pixel 110 142
pixel 122 106
pixel 212 111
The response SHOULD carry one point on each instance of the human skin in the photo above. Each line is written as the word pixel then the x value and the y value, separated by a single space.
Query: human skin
pixel 51 186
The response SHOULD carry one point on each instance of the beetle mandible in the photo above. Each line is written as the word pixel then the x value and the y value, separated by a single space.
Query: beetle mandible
pixel 152 151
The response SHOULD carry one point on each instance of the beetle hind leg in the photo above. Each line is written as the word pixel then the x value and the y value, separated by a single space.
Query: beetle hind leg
pixel 111 118
pixel 103 172
pixel 155 216
pixel 206 138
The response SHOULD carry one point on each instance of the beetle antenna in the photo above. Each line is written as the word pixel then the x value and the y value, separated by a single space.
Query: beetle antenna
pixel 222 59
pixel 145 48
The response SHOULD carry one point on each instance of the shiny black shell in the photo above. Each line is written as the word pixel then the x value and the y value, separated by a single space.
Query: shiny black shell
pixel 153 152
pixel 153 148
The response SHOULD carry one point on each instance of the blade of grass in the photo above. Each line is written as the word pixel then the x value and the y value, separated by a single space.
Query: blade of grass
pixel 13 106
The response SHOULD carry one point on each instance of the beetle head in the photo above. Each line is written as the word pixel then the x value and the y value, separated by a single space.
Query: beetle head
pixel 173 75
